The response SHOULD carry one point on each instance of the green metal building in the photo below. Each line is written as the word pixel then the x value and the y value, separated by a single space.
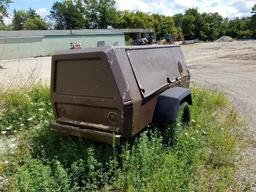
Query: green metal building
pixel 21 44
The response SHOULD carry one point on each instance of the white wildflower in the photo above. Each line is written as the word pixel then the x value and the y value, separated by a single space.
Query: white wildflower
pixel 29 119
pixel 37 127
pixel 40 109
pixel 13 145
pixel 9 128
pixel 186 133
pixel 3 132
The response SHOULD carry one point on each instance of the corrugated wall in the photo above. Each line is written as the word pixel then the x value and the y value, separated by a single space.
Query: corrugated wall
pixel 22 47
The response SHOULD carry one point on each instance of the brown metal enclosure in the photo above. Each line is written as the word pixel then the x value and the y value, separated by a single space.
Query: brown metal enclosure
pixel 111 92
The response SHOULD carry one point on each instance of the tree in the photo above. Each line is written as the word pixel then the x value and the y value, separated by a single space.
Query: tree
pixel 4 27
pixel 138 19
pixel 239 28
pixel 178 19
pixel 19 19
pixel 69 15
pixel 211 26
pixel 35 23
pixel 91 12
pixel 32 13
pixel 106 13
pixel 164 25
pixel 192 24
pixel 253 21
pixel 28 20
pixel 101 13
pixel 3 9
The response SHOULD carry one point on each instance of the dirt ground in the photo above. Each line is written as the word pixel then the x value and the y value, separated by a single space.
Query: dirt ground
pixel 231 68
pixel 21 72
pixel 228 67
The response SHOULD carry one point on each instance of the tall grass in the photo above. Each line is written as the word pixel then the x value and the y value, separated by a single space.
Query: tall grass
pixel 201 158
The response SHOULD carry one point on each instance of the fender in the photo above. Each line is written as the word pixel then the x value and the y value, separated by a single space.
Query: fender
pixel 168 103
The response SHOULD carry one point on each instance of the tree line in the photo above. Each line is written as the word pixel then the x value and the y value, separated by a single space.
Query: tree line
pixel 100 14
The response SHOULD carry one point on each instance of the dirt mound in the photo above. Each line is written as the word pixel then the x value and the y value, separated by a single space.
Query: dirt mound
pixel 225 39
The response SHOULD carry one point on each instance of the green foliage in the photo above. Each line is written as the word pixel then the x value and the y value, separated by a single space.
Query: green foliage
pixel 19 19
pixel 192 23
pixel 69 15
pixel 211 26
pixel 253 21
pixel 138 19
pixel 28 20
pixel 24 108
pixel 106 13
pixel 239 28
pixel 164 25
pixel 3 9
pixel 4 27
pixel 30 169
pixel 200 158
pixel 35 23
pixel 80 14
pixel 83 14
pixel 101 13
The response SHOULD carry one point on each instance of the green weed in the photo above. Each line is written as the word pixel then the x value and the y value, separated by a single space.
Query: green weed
pixel 200 159
pixel 24 108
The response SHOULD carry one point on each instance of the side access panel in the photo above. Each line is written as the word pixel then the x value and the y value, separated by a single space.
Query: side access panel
pixel 157 67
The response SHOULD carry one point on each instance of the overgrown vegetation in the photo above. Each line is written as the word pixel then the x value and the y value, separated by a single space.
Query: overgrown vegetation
pixel 20 110
pixel 201 158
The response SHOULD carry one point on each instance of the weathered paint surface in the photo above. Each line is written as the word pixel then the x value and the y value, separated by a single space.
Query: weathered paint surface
pixel 97 92
pixel 23 47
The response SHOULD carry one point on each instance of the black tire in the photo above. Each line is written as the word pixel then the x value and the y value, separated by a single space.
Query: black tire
pixel 169 129
pixel 183 116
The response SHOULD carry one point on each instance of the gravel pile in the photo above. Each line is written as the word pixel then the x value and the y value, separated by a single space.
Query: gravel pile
pixel 225 39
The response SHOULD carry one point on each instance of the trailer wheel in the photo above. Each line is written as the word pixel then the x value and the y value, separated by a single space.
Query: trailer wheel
pixel 169 129
pixel 183 115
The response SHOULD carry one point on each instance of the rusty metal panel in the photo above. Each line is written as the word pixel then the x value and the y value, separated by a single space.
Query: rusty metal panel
pixel 93 114
pixel 86 133
pixel 156 67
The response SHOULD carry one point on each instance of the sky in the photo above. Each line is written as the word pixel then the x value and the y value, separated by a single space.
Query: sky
pixel 226 8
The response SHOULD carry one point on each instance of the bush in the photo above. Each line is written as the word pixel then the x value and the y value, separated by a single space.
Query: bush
pixel 25 108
